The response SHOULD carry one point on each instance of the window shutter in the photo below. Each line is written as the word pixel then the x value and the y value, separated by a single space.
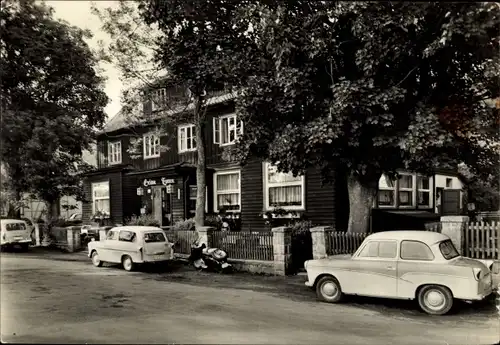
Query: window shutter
pixel 240 129
pixel 216 124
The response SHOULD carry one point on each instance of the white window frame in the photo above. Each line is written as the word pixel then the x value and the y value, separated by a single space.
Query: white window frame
pixel 412 190
pixel 193 197
pixel 115 151
pixel 216 193
pixel 158 99
pixel 394 191
pixel 151 138
pixel 430 191
pixel 192 139
pixel 94 198
pixel 217 129
pixel 267 185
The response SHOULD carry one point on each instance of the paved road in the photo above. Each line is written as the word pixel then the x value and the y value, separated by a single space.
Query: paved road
pixel 52 300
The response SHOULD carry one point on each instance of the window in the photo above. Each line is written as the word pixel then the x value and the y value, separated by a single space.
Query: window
pixel 115 152
pixel 154 237
pixel 423 191
pixel 126 236
pixel 282 190
pixel 151 146
pixel 405 191
pixel 414 250
pixel 112 235
pixel 227 129
pixel 449 183
pixel 186 138
pixel 15 226
pixel 227 190
pixel 386 193
pixel 158 99
pixel 100 198
pixel 448 250
pixel 379 249
pixel 192 199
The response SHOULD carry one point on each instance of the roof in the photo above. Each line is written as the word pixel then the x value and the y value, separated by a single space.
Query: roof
pixel 428 237
pixel 120 121
pixel 137 228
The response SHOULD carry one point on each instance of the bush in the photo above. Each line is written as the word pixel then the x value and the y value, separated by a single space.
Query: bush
pixel 300 226
pixel 184 225
pixel 143 220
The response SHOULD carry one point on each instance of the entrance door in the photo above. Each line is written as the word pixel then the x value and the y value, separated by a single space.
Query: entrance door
pixel 450 202
pixel 166 203
pixel 157 203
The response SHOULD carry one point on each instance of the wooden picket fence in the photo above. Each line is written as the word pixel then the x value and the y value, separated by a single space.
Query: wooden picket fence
pixel 245 245
pixel 183 240
pixel 482 240
pixel 344 242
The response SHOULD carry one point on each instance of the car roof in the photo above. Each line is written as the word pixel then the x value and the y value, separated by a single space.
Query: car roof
pixel 11 220
pixel 429 237
pixel 137 228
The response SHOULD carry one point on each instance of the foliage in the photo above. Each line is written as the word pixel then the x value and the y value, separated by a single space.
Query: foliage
pixel 373 87
pixel 143 220
pixel 484 192
pixel 52 100
pixel 184 225
pixel 300 226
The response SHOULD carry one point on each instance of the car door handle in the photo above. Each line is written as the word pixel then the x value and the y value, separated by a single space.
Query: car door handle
pixel 390 268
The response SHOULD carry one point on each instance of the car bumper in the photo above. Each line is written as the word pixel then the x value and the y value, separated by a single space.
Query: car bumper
pixel 10 243
pixel 309 284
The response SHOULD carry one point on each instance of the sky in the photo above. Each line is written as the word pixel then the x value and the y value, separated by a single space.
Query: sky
pixel 77 13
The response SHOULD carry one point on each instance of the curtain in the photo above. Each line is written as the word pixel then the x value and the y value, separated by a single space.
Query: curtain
pixel 285 196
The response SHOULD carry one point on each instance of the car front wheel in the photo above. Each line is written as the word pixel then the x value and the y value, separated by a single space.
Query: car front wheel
pixel 435 299
pixel 328 290
pixel 96 260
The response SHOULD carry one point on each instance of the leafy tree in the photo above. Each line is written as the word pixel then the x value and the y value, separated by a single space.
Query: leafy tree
pixel 52 101
pixel 194 45
pixel 367 88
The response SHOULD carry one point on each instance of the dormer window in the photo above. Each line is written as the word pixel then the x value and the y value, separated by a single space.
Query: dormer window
pixel 115 152
pixel 158 99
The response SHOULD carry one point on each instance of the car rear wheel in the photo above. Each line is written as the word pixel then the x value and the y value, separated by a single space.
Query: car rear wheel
pixel 128 264
pixel 96 260
pixel 435 299
pixel 328 290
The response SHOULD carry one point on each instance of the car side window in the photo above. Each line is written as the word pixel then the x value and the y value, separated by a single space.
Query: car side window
pixel 380 249
pixel 112 235
pixel 415 250
pixel 126 236
pixel 370 250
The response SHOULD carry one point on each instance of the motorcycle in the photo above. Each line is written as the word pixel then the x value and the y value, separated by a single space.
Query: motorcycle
pixel 212 259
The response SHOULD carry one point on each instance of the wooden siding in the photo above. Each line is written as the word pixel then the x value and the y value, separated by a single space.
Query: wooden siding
pixel 320 199
pixel 252 196
pixel 131 201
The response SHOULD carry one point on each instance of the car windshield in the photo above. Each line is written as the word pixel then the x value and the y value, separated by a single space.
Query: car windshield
pixel 154 237
pixel 448 250
pixel 15 226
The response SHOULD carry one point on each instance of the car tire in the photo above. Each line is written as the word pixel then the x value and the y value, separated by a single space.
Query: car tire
pixel 95 259
pixel 328 290
pixel 127 263
pixel 435 299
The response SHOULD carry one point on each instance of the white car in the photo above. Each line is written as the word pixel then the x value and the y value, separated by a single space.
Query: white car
pixel 131 245
pixel 420 265
pixel 15 232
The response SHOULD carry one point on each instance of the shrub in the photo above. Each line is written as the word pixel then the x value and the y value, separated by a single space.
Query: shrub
pixel 143 220
pixel 184 225
pixel 300 226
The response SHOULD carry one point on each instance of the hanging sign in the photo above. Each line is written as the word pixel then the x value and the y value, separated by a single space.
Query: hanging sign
pixel 169 189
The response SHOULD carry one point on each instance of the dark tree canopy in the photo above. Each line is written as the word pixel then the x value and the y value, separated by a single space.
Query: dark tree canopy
pixel 52 100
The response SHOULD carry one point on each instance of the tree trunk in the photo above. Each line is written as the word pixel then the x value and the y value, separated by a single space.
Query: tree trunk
pixel 361 198
pixel 201 168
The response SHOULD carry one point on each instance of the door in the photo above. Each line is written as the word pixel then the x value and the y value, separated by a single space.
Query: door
pixel 156 246
pixel 450 202
pixel 166 204
pixel 375 270
pixel 416 260
pixel 157 203
pixel 109 250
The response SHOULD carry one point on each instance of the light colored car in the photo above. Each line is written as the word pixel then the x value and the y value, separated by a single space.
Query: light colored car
pixel 131 245
pixel 420 265
pixel 15 232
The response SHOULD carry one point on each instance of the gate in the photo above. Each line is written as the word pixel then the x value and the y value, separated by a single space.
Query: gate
pixel 301 249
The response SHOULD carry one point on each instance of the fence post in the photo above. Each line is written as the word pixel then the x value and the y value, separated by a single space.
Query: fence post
pixel 205 235
pixel 70 239
pixel 102 234
pixel 282 240
pixel 454 227
pixel 320 241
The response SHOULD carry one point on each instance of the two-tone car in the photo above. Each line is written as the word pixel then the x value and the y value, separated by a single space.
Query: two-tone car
pixel 419 265
pixel 130 246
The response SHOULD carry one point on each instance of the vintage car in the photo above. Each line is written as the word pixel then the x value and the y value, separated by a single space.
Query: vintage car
pixel 15 232
pixel 420 265
pixel 131 245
